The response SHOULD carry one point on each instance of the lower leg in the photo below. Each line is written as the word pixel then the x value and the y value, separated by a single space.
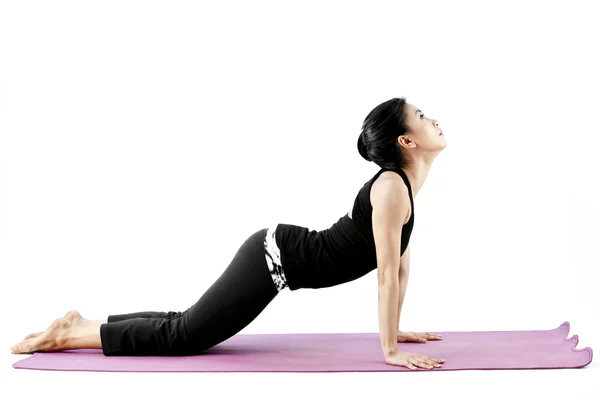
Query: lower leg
pixel 75 332
pixel 145 314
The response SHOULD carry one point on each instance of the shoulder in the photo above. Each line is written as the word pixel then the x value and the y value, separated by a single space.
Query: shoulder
pixel 388 188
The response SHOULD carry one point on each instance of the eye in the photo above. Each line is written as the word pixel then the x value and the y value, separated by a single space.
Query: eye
pixel 422 115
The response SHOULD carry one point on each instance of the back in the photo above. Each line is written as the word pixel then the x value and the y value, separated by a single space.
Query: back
pixel 342 253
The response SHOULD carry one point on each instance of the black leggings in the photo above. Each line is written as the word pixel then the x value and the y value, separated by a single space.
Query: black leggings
pixel 236 298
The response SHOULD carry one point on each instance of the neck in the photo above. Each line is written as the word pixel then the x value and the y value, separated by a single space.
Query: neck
pixel 417 173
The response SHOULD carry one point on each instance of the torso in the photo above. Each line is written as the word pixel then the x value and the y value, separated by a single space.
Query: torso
pixel 391 175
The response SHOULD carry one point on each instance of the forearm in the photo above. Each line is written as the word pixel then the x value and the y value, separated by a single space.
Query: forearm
pixel 403 283
pixel 388 294
pixel 403 277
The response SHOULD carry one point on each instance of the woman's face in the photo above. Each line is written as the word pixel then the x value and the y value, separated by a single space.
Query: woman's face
pixel 422 131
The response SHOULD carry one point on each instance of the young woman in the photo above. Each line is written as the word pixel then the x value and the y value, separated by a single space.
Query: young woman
pixel 375 234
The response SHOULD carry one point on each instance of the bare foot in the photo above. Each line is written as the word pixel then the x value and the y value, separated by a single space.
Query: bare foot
pixel 56 337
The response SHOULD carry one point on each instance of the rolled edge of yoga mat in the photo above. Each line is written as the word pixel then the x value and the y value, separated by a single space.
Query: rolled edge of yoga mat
pixel 575 340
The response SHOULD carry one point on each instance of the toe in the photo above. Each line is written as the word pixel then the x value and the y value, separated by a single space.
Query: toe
pixel 19 348
pixel 41 342
pixel 32 335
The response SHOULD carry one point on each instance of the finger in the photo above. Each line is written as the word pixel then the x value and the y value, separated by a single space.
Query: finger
pixel 409 365
pixel 433 336
pixel 434 363
pixel 438 360
pixel 421 363
pixel 415 364
pixel 418 339
pixel 428 335
pixel 428 361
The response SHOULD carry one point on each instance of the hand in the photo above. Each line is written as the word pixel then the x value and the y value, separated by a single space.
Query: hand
pixel 412 361
pixel 418 337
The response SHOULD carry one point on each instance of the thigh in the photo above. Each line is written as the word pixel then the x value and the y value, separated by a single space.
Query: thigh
pixel 235 299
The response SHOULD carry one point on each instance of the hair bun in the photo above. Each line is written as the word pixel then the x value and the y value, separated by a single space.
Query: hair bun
pixel 362 148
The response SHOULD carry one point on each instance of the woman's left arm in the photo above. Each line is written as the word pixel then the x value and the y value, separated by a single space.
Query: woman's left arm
pixel 403 277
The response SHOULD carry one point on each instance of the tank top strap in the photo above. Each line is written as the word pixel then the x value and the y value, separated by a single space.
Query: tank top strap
pixel 407 182
pixel 405 179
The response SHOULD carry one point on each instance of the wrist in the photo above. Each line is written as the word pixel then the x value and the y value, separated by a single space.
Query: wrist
pixel 389 351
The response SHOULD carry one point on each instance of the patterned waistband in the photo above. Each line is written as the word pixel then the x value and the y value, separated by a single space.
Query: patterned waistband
pixel 273 258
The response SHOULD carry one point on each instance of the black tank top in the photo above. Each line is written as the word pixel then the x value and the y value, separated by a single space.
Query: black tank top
pixel 342 253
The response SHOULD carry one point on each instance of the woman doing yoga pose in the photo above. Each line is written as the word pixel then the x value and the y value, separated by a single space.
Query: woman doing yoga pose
pixel 375 234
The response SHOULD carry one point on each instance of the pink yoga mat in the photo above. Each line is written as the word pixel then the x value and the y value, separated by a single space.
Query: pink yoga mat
pixel 340 352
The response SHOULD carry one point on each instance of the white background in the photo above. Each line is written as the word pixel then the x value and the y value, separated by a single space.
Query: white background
pixel 142 142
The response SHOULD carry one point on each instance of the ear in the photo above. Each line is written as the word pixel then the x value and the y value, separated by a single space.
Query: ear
pixel 404 141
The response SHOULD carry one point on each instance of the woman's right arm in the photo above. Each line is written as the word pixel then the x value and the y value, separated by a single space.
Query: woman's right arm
pixel 390 208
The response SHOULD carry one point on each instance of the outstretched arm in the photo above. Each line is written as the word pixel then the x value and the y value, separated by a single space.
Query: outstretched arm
pixel 389 210
pixel 403 273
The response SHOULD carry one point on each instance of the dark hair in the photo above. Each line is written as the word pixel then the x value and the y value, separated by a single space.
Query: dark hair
pixel 378 141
